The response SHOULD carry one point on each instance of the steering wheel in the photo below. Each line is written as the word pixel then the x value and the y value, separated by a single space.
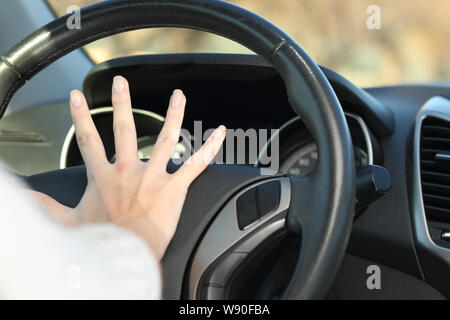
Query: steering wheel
pixel 216 233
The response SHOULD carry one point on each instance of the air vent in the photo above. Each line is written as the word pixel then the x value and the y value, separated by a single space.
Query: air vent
pixel 435 168
pixel 21 136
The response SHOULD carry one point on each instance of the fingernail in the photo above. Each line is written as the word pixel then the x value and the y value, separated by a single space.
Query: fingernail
pixel 118 84
pixel 75 98
pixel 218 133
pixel 177 95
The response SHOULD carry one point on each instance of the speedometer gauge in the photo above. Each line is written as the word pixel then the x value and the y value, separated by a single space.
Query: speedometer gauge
pixel 303 160
pixel 298 151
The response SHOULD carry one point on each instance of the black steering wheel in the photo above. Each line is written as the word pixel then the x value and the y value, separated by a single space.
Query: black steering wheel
pixel 216 233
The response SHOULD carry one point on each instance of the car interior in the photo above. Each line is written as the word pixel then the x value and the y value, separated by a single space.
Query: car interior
pixel 363 177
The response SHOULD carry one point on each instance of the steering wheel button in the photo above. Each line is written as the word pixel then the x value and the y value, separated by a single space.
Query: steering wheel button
pixel 268 195
pixel 246 209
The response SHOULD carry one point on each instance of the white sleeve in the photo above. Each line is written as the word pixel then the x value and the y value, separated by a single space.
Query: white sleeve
pixel 41 259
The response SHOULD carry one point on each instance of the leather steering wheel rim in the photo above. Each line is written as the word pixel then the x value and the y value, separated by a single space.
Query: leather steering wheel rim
pixel 321 207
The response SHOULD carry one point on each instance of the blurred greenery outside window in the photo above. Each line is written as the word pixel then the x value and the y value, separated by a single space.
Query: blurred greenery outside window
pixel 411 45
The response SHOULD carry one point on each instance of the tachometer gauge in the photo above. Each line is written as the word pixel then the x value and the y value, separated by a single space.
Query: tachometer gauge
pixel 148 126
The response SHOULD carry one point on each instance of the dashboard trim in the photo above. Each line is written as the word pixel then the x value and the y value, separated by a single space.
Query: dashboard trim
pixel 365 130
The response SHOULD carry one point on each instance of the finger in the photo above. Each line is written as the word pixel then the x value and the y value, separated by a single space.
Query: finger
pixel 198 162
pixel 170 133
pixel 123 124
pixel 88 139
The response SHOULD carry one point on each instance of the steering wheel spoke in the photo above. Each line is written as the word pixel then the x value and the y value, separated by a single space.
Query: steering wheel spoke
pixel 247 220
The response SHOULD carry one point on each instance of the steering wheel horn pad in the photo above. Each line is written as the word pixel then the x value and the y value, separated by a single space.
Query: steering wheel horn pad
pixel 321 205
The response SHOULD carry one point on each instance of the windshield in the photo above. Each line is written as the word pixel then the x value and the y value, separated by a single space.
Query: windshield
pixel 371 42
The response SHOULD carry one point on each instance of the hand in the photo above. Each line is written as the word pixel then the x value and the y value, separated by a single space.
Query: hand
pixel 141 197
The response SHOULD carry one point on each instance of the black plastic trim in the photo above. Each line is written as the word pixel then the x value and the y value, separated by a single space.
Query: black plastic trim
pixel 379 118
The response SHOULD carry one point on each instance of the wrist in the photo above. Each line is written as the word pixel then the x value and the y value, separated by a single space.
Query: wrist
pixel 146 229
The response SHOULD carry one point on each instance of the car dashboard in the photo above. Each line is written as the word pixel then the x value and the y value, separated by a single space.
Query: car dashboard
pixel 245 92
pixel 239 91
